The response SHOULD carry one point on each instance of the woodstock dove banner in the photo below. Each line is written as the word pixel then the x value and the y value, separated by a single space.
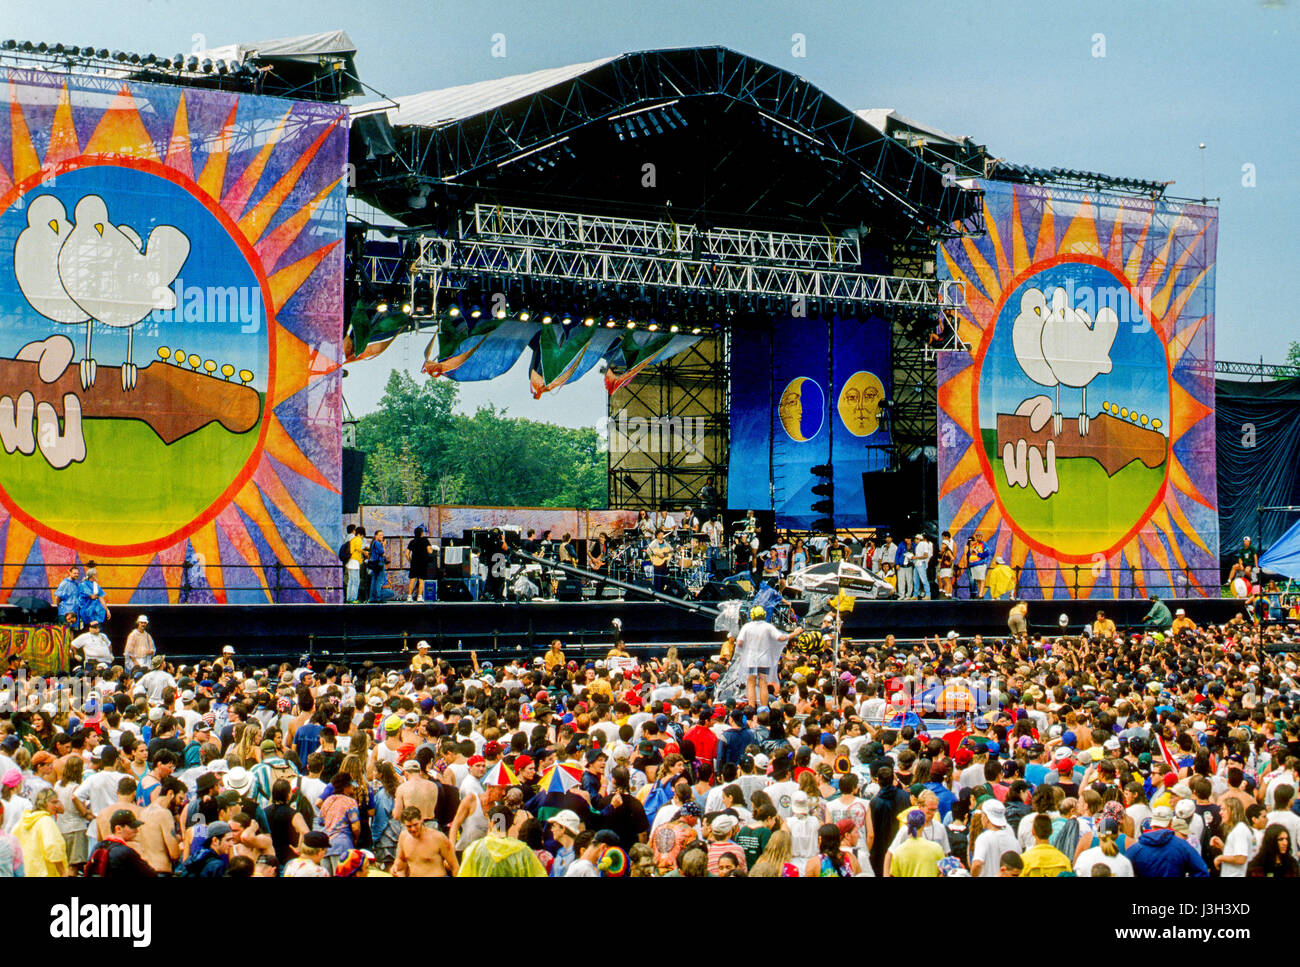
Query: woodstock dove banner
pixel 170 340
pixel 1076 437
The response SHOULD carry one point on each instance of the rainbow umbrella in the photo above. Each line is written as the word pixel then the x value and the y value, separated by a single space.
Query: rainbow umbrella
pixel 499 775
pixel 560 778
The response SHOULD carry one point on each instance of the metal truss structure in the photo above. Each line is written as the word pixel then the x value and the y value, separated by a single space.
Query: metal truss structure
pixel 684 437
pixel 640 254
pixel 1260 370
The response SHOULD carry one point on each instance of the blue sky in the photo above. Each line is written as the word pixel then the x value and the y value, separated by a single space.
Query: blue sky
pixel 1018 76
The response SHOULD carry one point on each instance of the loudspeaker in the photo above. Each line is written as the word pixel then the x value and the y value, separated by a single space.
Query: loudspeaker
pixel 569 590
pixel 882 496
pixel 354 468
pixel 454 589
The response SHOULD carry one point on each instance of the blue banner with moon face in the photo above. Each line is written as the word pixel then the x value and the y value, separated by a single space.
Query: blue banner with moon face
pixel 804 393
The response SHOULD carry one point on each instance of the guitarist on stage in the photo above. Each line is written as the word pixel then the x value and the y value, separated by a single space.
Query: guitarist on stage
pixel 659 551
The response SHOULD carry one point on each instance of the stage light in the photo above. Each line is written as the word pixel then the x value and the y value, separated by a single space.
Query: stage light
pixel 475 312
pixel 524 316
pixel 695 331
pixel 222 67
pixel 179 61
pixel 58 48
pixel 500 313
pixel 631 325
pixel 192 64
pixel 610 324
pixel 207 65
pixel 566 319
pixel 406 308
pixel 588 322
pixel 42 47
pixel 133 58
pixel 653 327
pixel 28 46
pixel 454 311
pixel 672 328
pixel 382 307
pixel 87 51
pixel 546 319
pixel 150 60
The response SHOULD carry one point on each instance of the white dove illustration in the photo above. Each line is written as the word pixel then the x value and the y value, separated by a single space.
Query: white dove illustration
pixel 1059 345
pixel 94 271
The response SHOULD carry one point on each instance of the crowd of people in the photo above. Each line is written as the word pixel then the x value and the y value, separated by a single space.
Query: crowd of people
pixel 1144 753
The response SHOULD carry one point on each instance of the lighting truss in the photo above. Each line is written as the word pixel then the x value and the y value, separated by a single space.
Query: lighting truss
pixel 530 225
pixel 624 253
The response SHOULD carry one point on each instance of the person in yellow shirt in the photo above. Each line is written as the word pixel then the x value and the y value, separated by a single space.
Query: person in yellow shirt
pixel 422 660
pixel 1182 623
pixel 44 851
pixel 917 856
pixel 554 657
pixel 1044 859
pixel 1103 627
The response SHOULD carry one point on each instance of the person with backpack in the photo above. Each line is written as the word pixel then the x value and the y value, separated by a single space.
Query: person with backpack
pixel 212 856
pixel 113 856
pixel 268 772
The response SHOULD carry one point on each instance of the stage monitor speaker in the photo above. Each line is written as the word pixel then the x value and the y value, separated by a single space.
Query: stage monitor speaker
pixel 354 468
pixel 454 589
pixel 569 590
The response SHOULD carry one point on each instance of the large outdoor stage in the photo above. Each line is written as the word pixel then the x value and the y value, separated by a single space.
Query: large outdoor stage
pixel 357 632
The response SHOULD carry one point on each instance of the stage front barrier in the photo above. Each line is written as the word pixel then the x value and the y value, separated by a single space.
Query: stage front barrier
pixel 1076 435
pixel 171 287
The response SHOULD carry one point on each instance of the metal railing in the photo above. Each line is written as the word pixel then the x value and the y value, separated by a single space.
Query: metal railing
pixel 274 580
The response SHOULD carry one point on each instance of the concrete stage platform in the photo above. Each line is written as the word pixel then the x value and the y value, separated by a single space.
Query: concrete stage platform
pixel 289 630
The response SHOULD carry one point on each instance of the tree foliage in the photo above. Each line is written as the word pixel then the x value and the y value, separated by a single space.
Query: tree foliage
pixel 418 451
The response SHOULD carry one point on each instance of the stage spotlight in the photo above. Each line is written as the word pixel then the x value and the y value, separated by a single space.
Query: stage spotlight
pixel 382 307
pixel 566 319
pixel 546 319
pixel 222 67
pixel 589 321
pixel 631 325
pixel 610 324
pixel 500 313
pixel 406 308
pixel 475 312
pixel 454 311
pixel 672 328
pixel 524 316
pixel 207 65
pixel 133 58
pixel 87 51
pixel 42 47
pixel 695 331
pixel 653 327
pixel 149 60
pixel 58 48
pixel 179 61
pixel 192 64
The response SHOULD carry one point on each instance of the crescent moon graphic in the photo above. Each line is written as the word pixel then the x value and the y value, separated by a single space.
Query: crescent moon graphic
pixel 802 409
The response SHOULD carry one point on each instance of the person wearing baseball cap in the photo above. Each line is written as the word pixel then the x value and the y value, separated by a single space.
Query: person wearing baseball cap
pixel 996 839
pixel 114 856
pixel 1162 853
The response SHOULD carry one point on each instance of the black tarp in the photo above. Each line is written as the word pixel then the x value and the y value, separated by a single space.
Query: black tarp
pixel 1257 436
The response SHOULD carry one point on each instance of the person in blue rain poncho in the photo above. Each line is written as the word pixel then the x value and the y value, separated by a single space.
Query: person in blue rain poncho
pixel 91 606
pixel 67 597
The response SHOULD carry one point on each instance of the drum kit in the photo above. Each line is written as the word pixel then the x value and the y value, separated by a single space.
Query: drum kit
pixel 683 554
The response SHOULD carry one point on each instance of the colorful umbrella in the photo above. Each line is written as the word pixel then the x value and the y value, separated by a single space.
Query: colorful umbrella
pixel 955 698
pixel 499 775
pixel 560 778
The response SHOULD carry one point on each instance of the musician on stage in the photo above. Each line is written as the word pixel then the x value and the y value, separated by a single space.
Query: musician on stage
pixel 750 524
pixel 596 551
pixel 688 521
pixel 666 522
pixel 659 551
pixel 708 501
pixel 568 555
pixel 645 527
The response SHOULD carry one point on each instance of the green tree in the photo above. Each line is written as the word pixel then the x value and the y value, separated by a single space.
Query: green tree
pixel 419 452
pixel 1293 358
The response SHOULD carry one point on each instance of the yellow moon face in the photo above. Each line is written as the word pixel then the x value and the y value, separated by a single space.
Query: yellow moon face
pixel 859 403
pixel 800 409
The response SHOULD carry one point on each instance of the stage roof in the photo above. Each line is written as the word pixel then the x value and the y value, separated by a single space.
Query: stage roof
pixel 730 141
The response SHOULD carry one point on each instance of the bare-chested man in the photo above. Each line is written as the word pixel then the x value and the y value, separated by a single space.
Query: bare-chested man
pixel 416 790
pixel 125 800
pixel 156 840
pixel 422 851
pixel 249 840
